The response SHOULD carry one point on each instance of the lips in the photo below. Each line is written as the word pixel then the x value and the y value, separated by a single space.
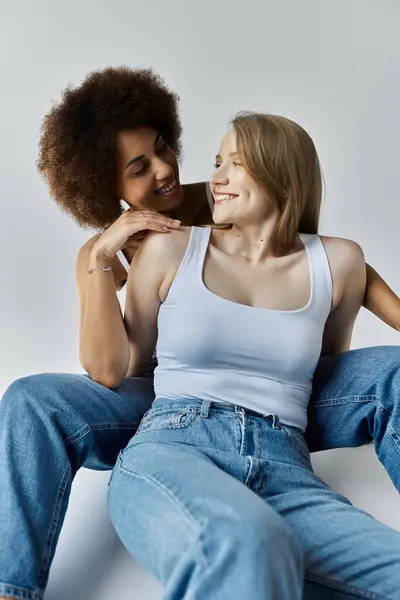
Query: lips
pixel 169 188
pixel 222 198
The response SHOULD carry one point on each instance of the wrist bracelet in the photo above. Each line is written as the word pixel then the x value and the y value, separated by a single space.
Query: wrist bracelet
pixel 89 271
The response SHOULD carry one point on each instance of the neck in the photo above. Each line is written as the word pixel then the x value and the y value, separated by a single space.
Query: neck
pixel 255 241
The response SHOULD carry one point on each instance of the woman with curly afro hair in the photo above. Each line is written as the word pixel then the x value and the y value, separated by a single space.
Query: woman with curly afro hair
pixel 117 137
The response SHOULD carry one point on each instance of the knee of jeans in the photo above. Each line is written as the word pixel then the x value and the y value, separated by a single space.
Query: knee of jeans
pixel 388 389
pixel 31 394
pixel 262 530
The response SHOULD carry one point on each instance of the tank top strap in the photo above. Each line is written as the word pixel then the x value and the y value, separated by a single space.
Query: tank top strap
pixel 320 272
pixel 190 271
pixel 123 260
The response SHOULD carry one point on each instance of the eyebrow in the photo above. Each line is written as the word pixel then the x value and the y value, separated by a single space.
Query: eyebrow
pixel 141 157
pixel 230 154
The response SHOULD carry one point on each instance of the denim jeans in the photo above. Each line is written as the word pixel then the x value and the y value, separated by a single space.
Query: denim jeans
pixel 52 424
pixel 221 503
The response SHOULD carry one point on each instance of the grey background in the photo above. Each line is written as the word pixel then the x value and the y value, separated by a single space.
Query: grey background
pixel 331 66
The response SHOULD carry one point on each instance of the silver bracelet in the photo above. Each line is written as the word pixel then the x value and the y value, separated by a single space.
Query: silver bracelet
pixel 89 271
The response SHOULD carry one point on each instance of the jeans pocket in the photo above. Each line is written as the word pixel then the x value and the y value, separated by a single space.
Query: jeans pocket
pixel 167 418
pixel 296 438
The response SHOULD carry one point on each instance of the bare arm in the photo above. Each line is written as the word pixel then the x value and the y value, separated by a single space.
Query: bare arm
pixel 146 276
pixel 349 274
pixel 103 343
pixel 381 300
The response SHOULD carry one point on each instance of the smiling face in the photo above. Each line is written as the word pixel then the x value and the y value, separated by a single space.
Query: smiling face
pixel 148 173
pixel 238 197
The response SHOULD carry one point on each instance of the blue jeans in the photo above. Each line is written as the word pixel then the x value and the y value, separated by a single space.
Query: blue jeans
pixel 52 424
pixel 221 503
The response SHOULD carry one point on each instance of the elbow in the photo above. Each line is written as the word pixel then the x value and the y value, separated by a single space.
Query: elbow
pixel 111 380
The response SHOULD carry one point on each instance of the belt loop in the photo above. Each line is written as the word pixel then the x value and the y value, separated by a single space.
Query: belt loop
pixel 205 407
pixel 275 422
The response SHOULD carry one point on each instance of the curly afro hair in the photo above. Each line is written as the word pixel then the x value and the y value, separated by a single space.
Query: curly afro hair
pixel 77 143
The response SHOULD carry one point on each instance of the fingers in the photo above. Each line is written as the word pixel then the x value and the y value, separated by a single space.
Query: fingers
pixel 151 216
pixel 148 219
pixel 130 224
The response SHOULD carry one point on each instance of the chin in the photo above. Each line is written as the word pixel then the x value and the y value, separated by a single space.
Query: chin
pixel 221 216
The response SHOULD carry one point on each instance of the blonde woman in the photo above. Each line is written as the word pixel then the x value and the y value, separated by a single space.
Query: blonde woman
pixel 215 493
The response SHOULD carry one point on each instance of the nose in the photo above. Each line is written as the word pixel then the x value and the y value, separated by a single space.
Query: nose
pixel 163 170
pixel 219 176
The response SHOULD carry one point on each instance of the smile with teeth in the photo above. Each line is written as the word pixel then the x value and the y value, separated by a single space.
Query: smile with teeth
pixel 224 197
pixel 168 188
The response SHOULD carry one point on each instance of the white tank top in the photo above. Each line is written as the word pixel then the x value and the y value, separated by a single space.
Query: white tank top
pixel 210 348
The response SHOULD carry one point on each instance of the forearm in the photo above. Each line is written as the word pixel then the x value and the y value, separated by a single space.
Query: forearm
pixel 103 348
pixel 381 300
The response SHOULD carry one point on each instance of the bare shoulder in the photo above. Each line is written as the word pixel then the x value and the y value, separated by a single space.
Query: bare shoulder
pixel 163 251
pixel 158 244
pixel 157 260
pixel 342 245
pixel 347 265
pixel 343 254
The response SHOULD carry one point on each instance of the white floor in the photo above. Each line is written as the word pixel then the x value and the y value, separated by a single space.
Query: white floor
pixel 91 564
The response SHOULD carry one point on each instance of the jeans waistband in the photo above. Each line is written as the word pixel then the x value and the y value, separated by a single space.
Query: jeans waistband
pixel 204 406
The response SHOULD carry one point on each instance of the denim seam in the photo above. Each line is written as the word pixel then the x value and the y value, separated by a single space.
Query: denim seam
pixel 297 446
pixel 192 592
pixel 217 413
pixel 16 592
pixel 48 547
pixel 190 519
pixel 167 409
pixel 256 451
pixel 101 426
pixel 159 484
pixel 394 435
pixel 341 586
pixel 383 410
pixel 342 400
pixel 220 411
pixel 242 421
pixel 250 459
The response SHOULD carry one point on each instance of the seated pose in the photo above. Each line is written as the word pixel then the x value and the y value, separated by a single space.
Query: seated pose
pixel 117 136
pixel 215 493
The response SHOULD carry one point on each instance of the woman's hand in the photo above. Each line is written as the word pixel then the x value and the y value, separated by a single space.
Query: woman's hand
pixel 129 229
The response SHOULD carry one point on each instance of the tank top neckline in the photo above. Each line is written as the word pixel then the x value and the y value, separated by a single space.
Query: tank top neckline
pixel 203 249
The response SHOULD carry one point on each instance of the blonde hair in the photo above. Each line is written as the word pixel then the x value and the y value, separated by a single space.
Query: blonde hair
pixel 281 155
